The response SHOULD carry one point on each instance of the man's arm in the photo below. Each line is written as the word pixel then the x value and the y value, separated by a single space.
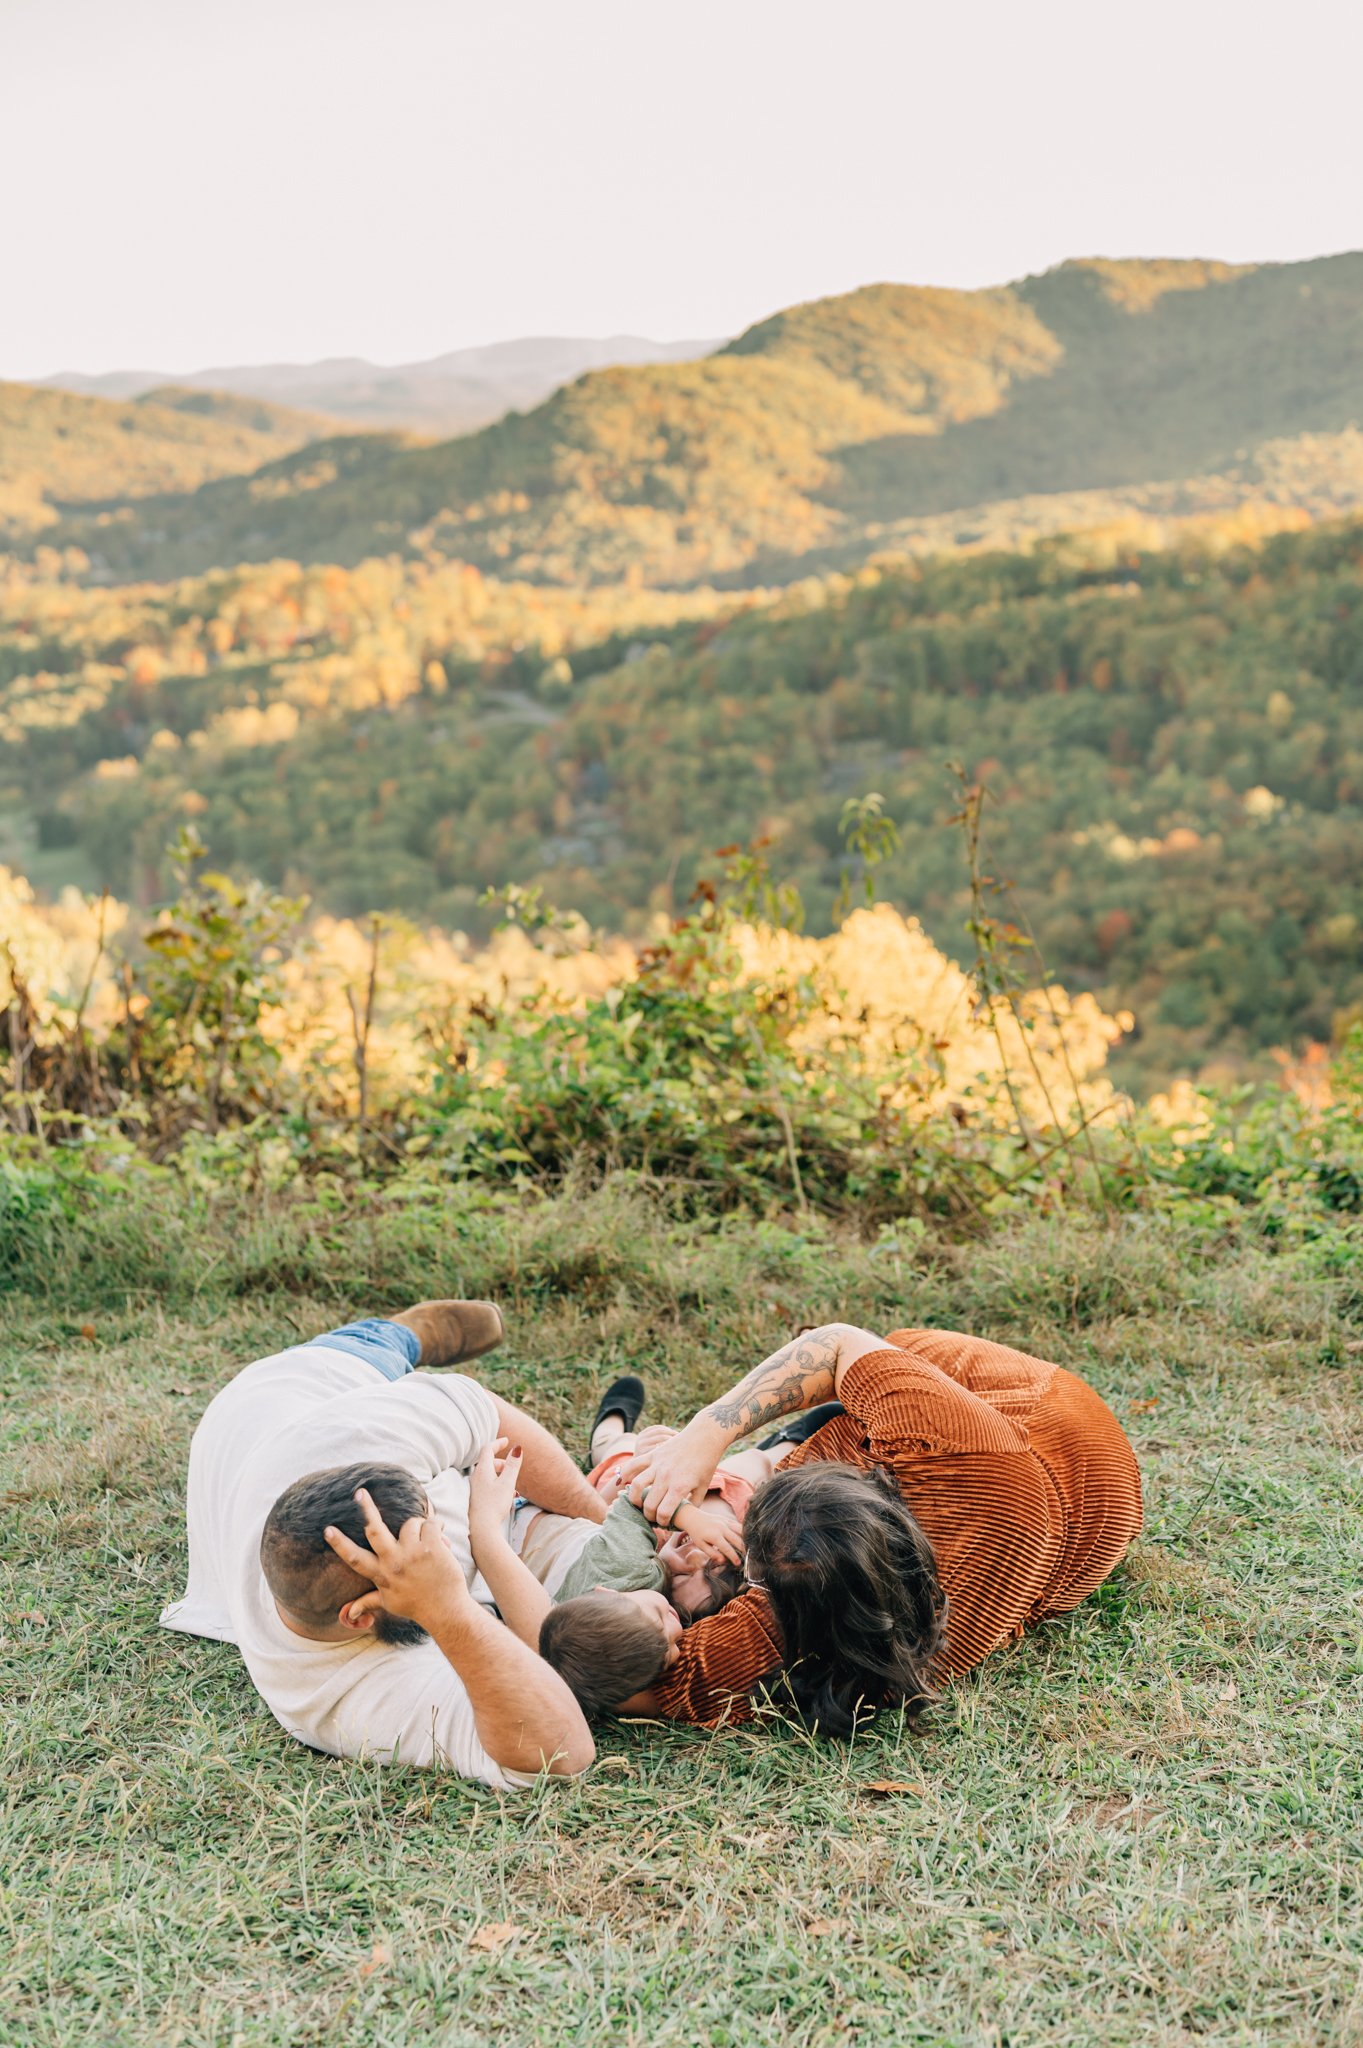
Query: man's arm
pixel 523 1723
pixel 801 1374
pixel 527 1719
pixel 548 1475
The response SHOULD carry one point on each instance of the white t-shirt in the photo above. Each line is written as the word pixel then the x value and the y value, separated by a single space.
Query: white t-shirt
pixel 300 1412
pixel 549 1545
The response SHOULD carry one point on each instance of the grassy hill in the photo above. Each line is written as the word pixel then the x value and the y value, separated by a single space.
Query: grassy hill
pixel 845 425
pixel 60 451
pixel 1178 1867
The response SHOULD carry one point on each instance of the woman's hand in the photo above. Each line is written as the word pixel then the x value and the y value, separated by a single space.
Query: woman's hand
pixel 414 1574
pixel 493 1486
pixel 660 1479
pixel 656 1433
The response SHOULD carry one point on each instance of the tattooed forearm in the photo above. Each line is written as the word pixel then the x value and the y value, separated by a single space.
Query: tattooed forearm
pixel 799 1375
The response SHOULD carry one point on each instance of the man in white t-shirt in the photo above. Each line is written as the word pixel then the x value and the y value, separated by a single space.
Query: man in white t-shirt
pixel 428 1676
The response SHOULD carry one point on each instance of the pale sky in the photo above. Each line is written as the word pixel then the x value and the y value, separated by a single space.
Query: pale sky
pixel 194 182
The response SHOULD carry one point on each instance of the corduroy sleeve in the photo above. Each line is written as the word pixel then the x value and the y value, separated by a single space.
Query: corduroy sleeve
pixel 903 1400
pixel 1011 1381
pixel 722 1658
pixel 991 1514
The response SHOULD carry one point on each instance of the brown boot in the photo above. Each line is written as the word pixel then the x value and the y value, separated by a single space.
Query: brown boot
pixel 453 1331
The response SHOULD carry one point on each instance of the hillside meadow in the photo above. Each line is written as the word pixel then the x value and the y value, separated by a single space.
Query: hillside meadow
pixel 711 853
pixel 1142 1824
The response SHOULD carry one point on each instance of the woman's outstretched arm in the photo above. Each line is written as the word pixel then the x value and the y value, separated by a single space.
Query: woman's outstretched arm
pixel 801 1374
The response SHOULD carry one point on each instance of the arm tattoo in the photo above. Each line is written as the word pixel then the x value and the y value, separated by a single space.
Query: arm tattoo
pixel 797 1376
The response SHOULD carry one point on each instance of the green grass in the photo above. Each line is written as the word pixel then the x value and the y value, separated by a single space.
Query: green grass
pixel 1144 1824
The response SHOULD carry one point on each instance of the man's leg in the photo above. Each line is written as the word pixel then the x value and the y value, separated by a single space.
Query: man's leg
pixel 434 1333
pixel 380 1342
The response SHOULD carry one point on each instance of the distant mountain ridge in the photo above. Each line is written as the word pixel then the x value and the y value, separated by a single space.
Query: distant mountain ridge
pixel 453 393
pixel 894 417
pixel 60 451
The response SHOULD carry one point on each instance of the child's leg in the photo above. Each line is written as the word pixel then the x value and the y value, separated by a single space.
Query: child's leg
pixel 754 1466
pixel 605 1474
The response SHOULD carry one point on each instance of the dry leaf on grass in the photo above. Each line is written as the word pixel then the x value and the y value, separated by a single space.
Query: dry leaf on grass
pixel 494 1935
pixel 378 1956
pixel 890 1788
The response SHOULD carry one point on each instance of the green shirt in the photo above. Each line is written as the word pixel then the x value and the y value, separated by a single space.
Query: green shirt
pixel 623 1554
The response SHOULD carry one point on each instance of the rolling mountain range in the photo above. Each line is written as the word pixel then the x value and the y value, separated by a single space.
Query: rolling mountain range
pixel 893 417
pixel 61 453
pixel 395 673
pixel 449 394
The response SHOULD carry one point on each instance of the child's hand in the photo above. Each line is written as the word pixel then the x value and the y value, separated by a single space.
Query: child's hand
pixel 720 1539
pixel 492 1489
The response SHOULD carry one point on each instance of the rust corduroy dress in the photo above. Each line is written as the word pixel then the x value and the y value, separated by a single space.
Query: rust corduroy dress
pixel 1019 1474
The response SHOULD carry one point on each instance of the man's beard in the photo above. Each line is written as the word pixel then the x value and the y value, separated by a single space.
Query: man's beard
pixel 397 1631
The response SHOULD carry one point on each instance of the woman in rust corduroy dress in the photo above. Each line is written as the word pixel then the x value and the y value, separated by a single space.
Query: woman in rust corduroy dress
pixel 1017 1472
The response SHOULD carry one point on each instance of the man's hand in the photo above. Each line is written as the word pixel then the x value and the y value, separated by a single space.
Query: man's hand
pixel 527 1720
pixel 415 1573
pixel 493 1486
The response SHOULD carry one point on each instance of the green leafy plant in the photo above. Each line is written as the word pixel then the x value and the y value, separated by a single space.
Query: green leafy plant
pixel 192 1039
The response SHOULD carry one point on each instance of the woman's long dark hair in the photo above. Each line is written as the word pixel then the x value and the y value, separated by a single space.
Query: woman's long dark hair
pixel 853 1585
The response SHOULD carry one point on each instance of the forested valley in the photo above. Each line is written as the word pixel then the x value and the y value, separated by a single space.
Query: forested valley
pixel 1172 742
pixel 679 606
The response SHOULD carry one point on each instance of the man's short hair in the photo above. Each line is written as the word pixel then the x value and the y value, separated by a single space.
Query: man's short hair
pixel 604 1648
pixel 303 1571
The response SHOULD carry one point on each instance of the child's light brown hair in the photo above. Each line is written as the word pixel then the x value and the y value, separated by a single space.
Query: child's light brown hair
pixel 604 1649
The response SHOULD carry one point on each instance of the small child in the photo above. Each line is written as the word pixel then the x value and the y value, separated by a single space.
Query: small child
pixel 612 1634
pixel 697 1564
pixel 610 1649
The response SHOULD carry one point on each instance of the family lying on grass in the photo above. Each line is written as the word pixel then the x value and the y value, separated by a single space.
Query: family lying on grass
pixel 415 1571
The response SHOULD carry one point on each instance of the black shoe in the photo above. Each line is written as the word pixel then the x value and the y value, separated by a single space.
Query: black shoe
pixel 801 1428
pixel 624 1397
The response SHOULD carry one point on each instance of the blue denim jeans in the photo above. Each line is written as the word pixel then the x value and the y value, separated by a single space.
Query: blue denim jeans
pixel 391 1348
